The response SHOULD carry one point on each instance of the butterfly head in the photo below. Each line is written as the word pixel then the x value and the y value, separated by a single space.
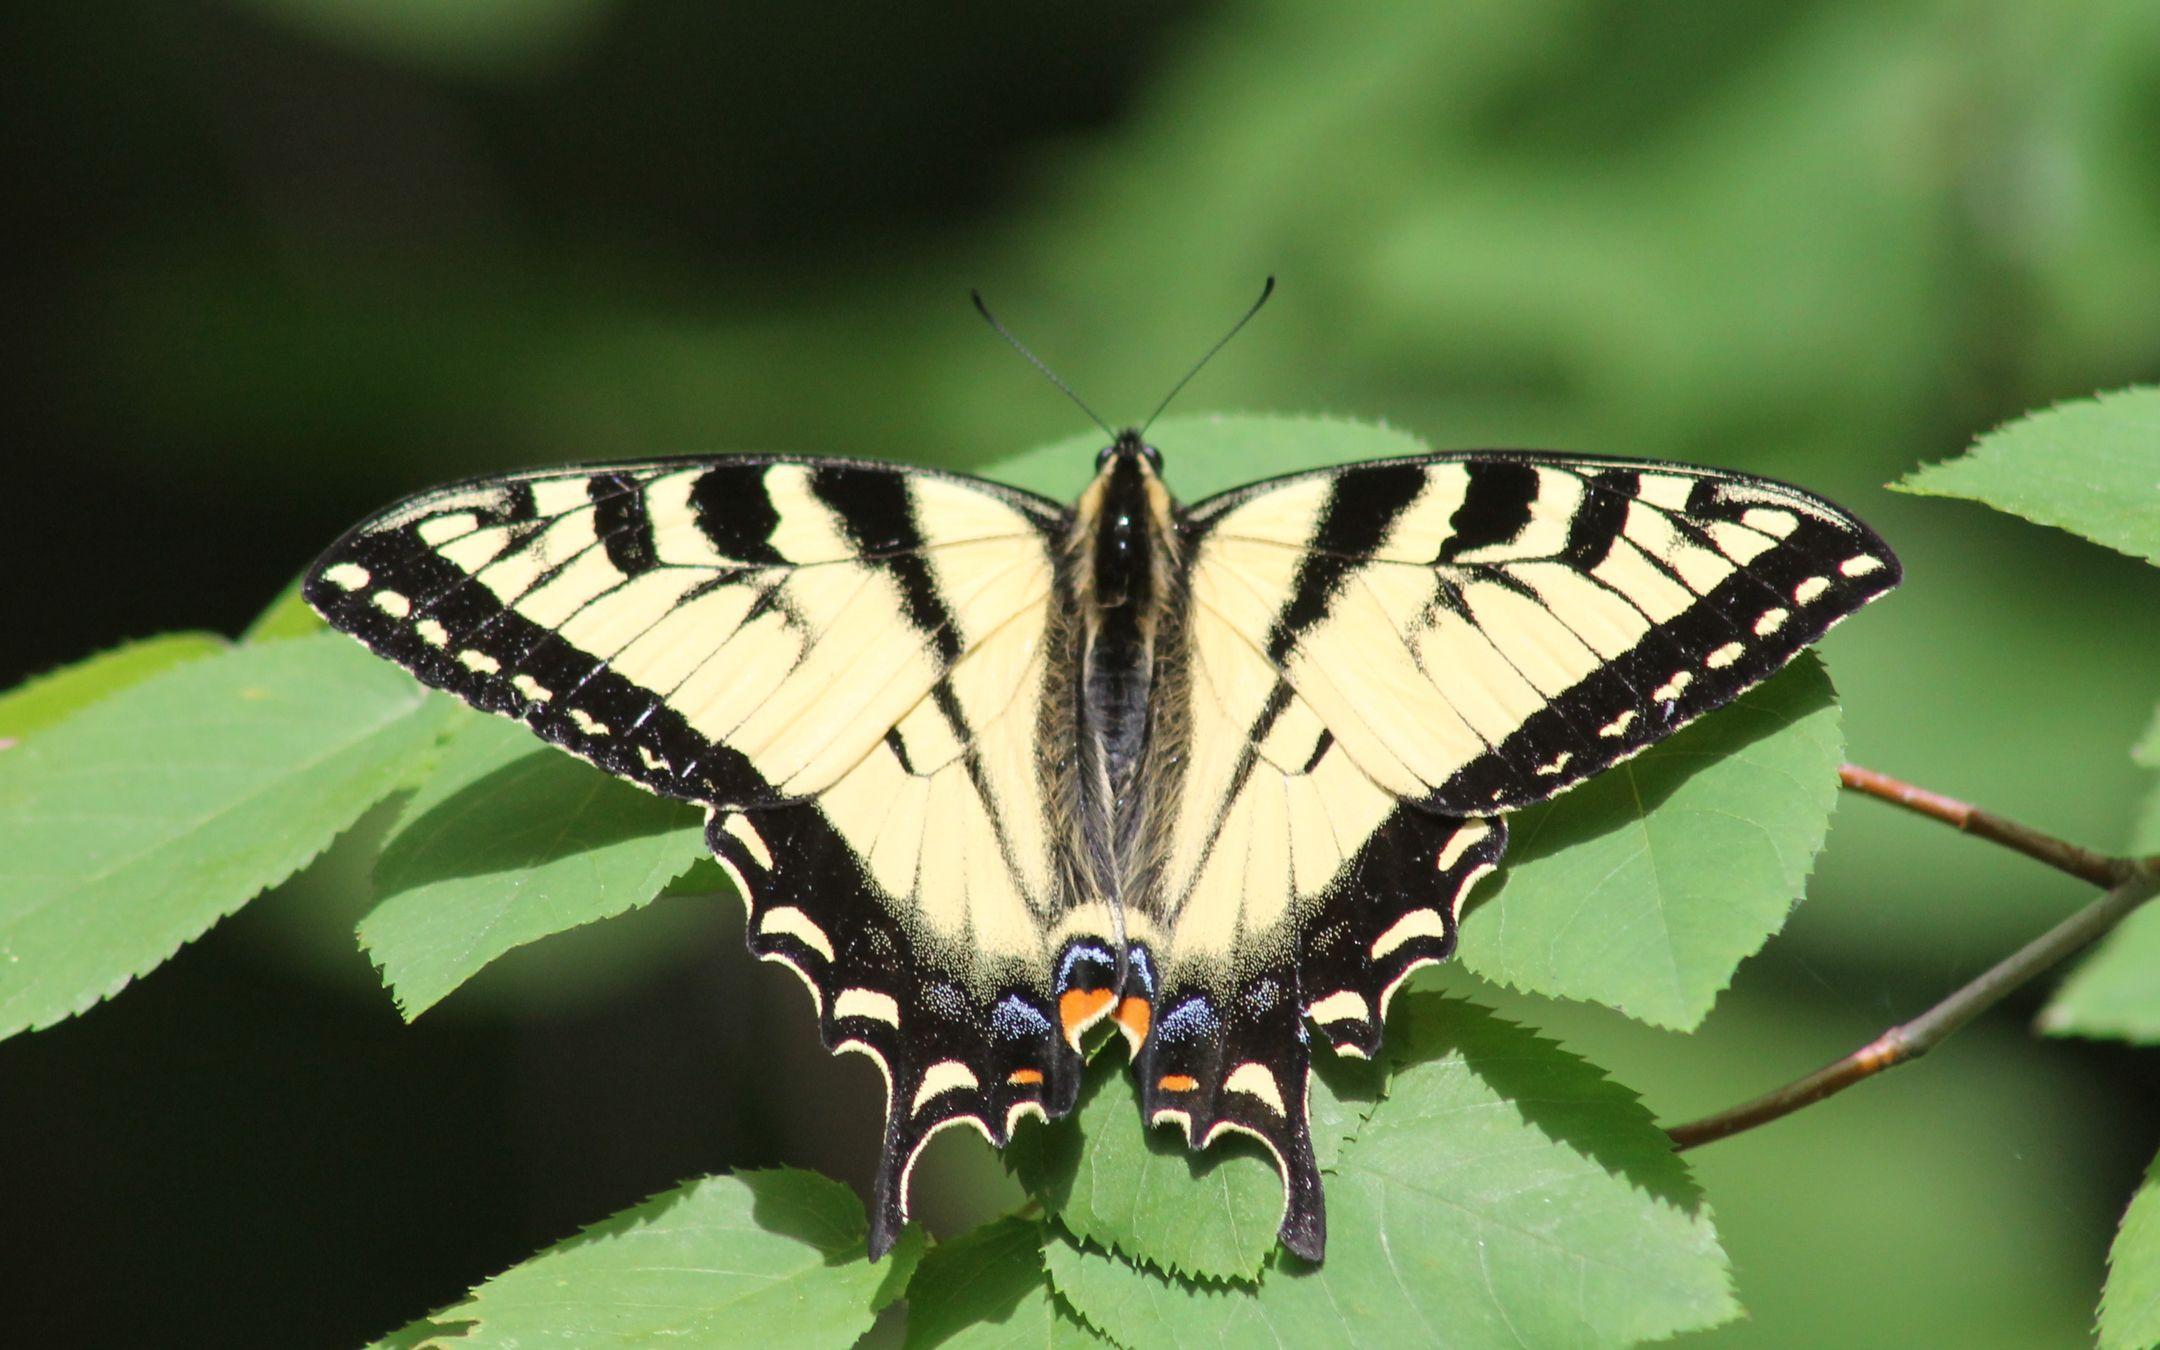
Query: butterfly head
pixel 1129 447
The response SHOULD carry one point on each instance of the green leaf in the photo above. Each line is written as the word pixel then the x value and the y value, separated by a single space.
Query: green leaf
pixel 2114 994
pixel 288 616
pixel 1506 1194
pixel 1645 887
pixel 51 697
pixel 508 841
pixel 136 824
pixel 428 1331
pixel 1109 1178
pixel 2091 467
pixel 2130 1305
pixel 2147 750
pixel 986 1289
pixel 773 1258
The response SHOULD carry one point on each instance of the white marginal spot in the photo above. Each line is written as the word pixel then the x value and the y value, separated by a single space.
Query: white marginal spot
pixel 1351 1050
pixel 347 576
pixel 1344 1005
pixel 651 760
pixel 1725 655
pixel 1559 763
pixel 795 924
pixel 1022 1110
pixel 479 662
pixel 1253 1079
pixel 1771 621
pixel 744 833
pixel 867 1003
pixel 1769 521
pixel 1671 689
pixel 443 529
pixel 587 723
pixel 1462 841
pixel 1181 1119
pixel 947 1075
pixel 1860 565
pixel 1416 924
pixel 742 887
pixel 531 688
pixel 1806 592
pixel 393 603
pixel 432 633
pixel 1619 725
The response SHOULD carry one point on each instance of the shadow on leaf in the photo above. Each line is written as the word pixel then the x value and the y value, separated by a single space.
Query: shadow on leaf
pixel 534 809
pixel 1562 1095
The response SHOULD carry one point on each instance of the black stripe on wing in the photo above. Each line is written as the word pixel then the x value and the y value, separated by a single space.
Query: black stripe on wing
pixel 952 1049
pixel 388 585
pixel 1728 637
pixel 1732 638
pixel 1230 1053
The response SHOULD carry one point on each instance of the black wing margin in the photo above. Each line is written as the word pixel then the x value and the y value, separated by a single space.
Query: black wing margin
pixel 665 619
pixel 1485 630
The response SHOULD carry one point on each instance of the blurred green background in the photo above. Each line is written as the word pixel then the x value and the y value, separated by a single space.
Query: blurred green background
pixel 276 261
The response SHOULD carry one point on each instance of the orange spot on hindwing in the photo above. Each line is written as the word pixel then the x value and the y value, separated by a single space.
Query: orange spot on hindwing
pixel 1024 1077
pixel 1176 1082
pixel 1132 1018
pixel 1078 1009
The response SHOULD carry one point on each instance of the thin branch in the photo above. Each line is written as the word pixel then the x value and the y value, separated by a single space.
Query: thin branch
pixel 1913 1039
pixel 2082 863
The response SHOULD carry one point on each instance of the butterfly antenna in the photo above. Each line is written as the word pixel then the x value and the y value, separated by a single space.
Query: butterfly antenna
pixel 1220 343
pixel 1017 345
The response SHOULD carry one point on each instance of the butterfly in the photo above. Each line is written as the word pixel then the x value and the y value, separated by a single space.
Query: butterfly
pixel 990 769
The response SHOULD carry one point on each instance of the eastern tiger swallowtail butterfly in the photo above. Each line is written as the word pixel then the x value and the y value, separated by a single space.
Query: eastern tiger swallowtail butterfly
pixel 988 769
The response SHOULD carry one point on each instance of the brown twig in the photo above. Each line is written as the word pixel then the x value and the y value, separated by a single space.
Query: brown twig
pixel 2082 863
pixel 2129 884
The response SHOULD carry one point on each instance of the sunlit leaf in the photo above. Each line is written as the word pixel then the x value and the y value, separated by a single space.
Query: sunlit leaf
pixel 766 1258
pixel 2130 1307
pixel 2091 467
pixel 1645 887
pixel 2114 994
pixel 1505 1194
pixel 1108 1177
pixel 507 842
pixel 134 825
pixel 51 697
pixel 986 1289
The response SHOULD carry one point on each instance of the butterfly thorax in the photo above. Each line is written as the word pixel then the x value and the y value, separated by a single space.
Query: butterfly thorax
pixel 1122 565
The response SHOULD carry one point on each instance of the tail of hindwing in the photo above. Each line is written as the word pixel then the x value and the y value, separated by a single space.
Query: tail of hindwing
pixel 952 1051
pixel 1220 1056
